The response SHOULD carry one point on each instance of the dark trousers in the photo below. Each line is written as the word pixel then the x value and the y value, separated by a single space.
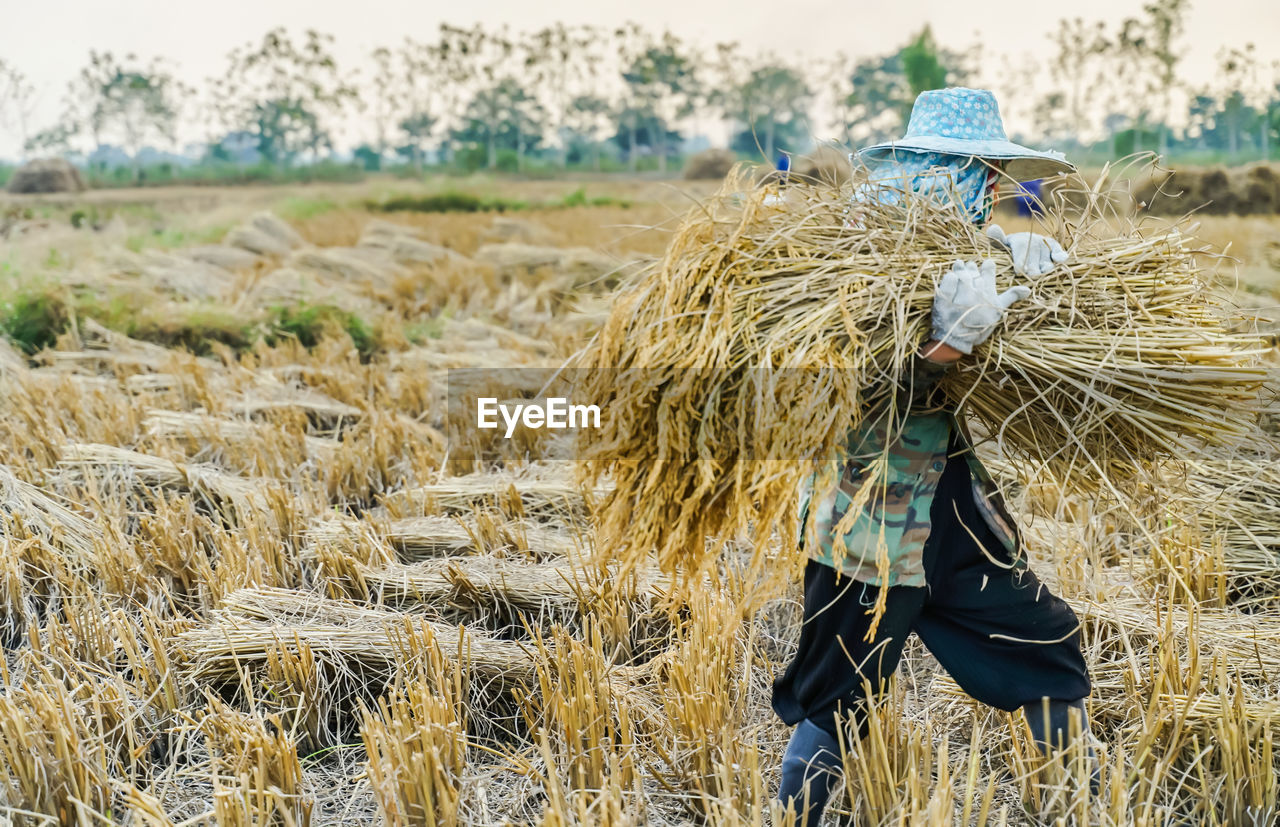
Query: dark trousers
pixel 991 624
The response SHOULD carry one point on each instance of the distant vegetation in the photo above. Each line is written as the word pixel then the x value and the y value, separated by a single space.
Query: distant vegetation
pixel 590 99
pixel 459 201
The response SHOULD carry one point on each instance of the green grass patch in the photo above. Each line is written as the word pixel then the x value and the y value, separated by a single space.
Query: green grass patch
pixel 35 317
pixel 446 201
pixel 452 200
pixel 300 209
pixel 420 331
pixel 166 238
pixel 310 323
pixel 578 198
pixel 34 321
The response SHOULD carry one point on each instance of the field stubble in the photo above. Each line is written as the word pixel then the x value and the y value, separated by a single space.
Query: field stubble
pixel 253 587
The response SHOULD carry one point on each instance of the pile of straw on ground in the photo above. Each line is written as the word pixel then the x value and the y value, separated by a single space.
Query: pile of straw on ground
pixel 1236 501
pixel 768 331
pixel 1245 190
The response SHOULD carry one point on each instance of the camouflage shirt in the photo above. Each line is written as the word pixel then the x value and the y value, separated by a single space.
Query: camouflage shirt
pixel 883 498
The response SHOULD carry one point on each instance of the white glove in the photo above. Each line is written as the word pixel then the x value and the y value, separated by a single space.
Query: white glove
pixel 1033 255
pixel 966 309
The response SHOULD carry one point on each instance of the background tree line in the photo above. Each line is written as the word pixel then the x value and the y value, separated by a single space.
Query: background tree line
pixel 626 99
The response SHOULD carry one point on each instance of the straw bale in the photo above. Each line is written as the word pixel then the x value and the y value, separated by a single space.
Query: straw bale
pixel 766 333
pixel 189 280
pixel 1250 643
pixel 256 242
pixel 447 358
pixel 823 165
pixel 108 351
pixel 1245 190
pixel 277 228
pixel 370 646
pixel 45 175
pixel 709 165
pixel 98 359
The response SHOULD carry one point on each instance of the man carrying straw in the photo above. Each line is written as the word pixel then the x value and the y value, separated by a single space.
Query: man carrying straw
pixel 914 537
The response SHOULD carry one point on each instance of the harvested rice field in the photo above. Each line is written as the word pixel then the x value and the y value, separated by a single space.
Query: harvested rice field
pixel 249 578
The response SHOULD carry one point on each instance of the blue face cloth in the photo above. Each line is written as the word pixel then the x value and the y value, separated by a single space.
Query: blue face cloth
pixel 963 182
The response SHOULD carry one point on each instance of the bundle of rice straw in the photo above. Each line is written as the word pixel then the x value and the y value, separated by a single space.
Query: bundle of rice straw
pixel 767 331
pixel 40 513
pixel 1236 499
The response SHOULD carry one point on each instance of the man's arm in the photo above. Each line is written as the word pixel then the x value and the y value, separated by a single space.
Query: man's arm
pixel 931 362
pixel 939 353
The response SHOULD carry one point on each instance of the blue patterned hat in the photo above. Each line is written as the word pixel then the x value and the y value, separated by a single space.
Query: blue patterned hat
pixel 963 121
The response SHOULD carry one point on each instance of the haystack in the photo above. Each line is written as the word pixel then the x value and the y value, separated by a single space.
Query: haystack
pixel 765 334
pixel 824 165
pixel 709 165
pixel 46 175
pixel 1253 189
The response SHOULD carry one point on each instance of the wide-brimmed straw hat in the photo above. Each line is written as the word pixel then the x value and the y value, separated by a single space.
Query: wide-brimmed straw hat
pixel 964 121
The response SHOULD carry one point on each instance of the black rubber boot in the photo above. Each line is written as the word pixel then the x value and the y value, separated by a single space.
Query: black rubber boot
pixel 811 768
pixel 1050 723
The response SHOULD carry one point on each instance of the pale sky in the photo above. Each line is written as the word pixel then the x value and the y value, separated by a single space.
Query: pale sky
pixel 49 40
